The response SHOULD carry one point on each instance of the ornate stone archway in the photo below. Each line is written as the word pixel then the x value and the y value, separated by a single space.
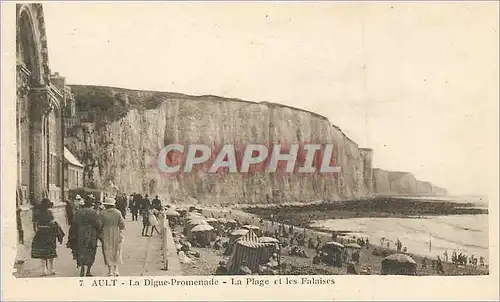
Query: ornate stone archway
pixel 39 105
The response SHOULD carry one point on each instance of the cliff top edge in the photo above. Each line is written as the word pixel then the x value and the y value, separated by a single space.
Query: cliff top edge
pixel 207 97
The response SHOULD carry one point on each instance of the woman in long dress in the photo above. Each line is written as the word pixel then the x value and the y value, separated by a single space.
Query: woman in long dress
pixel 84 232
pixel 47 231
pixel 153 221
pixel 112 236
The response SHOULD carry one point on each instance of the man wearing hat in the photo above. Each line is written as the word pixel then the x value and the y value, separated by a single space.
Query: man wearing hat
pixel 77 202
pixel 84 233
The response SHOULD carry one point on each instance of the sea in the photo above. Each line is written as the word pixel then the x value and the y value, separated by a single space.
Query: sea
pixel 426 235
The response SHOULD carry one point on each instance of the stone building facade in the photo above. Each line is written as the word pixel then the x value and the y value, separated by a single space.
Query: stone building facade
pixel 40 109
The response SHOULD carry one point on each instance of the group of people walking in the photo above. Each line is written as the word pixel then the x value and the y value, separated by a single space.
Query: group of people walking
pixel 91 222
pixel 149 211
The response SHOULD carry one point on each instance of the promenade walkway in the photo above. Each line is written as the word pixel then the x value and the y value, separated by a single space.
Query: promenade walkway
pixel 142 256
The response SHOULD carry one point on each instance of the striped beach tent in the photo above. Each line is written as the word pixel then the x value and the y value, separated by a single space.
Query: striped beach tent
pixel 249 249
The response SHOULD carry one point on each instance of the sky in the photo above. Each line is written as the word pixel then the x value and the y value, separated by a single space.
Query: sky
pixel 417 82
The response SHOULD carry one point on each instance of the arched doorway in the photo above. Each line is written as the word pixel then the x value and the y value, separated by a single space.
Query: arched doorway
pixel 28 75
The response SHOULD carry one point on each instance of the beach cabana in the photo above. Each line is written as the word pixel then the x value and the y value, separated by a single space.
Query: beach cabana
pixel 250 227
pixel 268 240
pixel 172 213
pixel 231 222
pixel 352 245
pixel 172 216
pixel 254 228
pixel 238 233
pixel 249 249
pixel 202 233
pixel 233 237
pixel 399 264
pixel 190 224
pixel 212 221
pixel 333 253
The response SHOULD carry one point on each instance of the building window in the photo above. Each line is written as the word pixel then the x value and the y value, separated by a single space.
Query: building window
pixel 54 162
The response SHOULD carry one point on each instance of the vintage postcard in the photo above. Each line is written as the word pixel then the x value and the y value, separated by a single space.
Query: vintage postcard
pixel 250 150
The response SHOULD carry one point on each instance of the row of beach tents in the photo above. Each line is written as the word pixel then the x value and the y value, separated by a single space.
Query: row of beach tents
pixel 244 244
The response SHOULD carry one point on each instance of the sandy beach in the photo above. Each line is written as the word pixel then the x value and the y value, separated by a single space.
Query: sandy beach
pixel 209 258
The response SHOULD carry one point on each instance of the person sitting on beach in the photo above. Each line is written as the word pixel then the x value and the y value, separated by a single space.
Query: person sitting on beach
pixel 317 258
pixel 351 269
pixel 302 253
pixel 273 261
pixel 366 270
pixel 221 269
pixel 244 269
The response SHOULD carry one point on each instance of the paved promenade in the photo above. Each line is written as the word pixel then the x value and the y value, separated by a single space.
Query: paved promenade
pixel 142 256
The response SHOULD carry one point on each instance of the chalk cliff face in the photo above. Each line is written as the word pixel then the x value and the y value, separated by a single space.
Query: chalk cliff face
pixel 124 152
pixel 395 183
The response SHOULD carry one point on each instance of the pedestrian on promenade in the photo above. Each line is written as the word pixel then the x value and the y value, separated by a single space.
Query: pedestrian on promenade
pixel 113 225
pixel 77 202
pixel 133 207
pixel 84 232
pixel 156 203
pixel 146 203
pixel 153 221
pixel 47 231
pixel 121 205
pixel 145 220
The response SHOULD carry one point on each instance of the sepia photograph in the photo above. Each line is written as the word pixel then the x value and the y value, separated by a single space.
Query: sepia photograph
pixel 253 139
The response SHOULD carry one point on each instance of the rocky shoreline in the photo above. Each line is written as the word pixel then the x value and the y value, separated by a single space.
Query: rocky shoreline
pixel 400 207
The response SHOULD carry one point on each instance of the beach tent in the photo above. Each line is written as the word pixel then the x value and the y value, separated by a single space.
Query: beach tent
pixel 333 253
pixel 352 245
pixel 230 222
pixel 254 228
pixel 190 224
pixel 249 249
pixel 172 213
pixel 250 227
pixel 203 233
pixel 268 240
pixel 212 221
pixel 399 264
pixel 233 237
